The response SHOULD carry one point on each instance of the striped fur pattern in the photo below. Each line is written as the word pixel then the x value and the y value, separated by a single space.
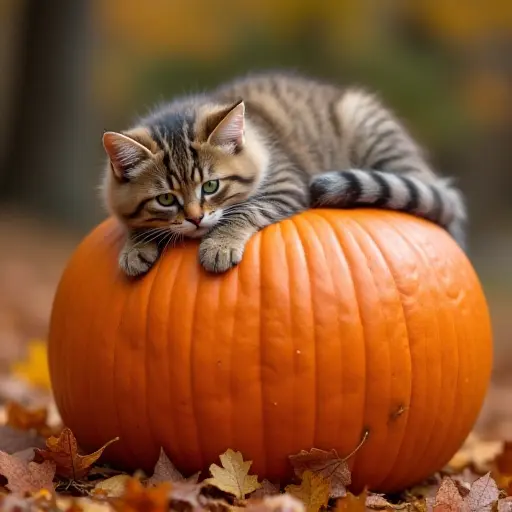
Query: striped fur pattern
pixel 223 165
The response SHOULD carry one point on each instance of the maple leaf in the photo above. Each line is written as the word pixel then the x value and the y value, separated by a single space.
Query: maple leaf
pixel 313 491
pixel 112 487
pixel 35 369
pixel 23 477
pixel 483 494
pixel 326 464
pixel 65 453
pixel 448 498
pixel 137 498
pixel 233 477
pixel 165 471
pixel 279 503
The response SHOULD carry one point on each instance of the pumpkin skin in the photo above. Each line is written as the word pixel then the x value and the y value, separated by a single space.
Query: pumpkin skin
pixel 335 323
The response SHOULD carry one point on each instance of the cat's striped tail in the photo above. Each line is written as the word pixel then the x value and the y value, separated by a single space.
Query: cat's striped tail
pixel 437 201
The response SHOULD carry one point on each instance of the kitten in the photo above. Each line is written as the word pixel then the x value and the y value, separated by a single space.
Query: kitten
pixel 223 165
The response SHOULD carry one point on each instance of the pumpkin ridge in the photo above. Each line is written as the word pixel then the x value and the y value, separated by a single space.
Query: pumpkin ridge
pixel 341 234
pixel 418 249
pixel 397 455
pixel 436 453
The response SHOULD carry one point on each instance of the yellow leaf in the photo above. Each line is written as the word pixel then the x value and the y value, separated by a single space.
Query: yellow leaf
pixel 313 491
pixel 234 476
pixel 34 369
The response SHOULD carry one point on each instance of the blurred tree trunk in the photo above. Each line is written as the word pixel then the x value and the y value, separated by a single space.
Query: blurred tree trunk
pixel 52 158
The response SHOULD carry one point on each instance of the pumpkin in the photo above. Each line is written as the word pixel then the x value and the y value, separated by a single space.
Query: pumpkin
pixel 336 323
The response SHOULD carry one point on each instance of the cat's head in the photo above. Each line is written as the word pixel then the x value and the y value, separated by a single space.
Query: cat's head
pixel 181 169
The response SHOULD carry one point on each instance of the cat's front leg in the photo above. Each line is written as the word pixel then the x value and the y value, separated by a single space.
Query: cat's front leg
pixel 136 256
pixel 223 248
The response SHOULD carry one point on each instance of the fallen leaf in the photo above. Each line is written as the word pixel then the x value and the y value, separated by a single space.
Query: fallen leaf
pixel 233 477
pixel 448 498
pixel 504 459
pixel 505 505
pixel 326 464
pixel 267 489
pixel 186 492
pixel 112 487
pixel 352 503
pixel 165 471
pixel 477 453
pixel 34 369
pixel 13 440
pixel 313 491
pixel 483 494
pixel 138 498
pixel 23 477
pixel 64 452
pixel 280 503
pixel 379 502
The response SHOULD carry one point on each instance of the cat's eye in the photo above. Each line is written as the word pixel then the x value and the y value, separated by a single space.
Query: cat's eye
pixel 210 186
pixel 165 199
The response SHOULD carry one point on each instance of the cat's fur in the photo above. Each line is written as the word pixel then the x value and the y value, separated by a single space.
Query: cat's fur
pixel 277 143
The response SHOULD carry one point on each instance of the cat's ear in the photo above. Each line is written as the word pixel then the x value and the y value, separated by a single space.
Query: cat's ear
pixel 124 153
pixel 228 132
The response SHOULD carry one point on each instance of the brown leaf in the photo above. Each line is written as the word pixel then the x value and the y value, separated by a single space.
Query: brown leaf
pixel 504 459
pixel 233 477
pixel 448 498
pixel 138 498
pixel 351 503
pixel 505 505
pixel 267 489
pixel 186 492
pixel 379 502
pixel 483 494
pixel 279 503
pixel 22 418
pixel 326 464
pixel 64 452
pixel 313 491
pixel 13 440
pixel 165 471
pixel 23 477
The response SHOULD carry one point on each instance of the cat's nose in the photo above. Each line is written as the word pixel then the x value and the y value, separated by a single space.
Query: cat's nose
pixel 195 220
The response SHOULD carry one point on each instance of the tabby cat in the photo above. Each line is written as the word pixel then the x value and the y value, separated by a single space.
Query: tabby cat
pixel 223 165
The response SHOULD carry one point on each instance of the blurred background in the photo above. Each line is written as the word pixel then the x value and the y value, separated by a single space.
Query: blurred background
pixel 70 69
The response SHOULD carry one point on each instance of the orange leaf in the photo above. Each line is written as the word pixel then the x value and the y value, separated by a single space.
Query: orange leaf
pixel 313 491
pixel 65 453
pixel 26 419
pixel 138 498
pixel 351 503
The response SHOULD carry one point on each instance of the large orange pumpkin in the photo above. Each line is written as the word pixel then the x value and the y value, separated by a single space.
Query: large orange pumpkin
pixel 335 323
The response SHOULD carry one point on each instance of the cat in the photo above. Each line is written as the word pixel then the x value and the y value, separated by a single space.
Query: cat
pixel 222 165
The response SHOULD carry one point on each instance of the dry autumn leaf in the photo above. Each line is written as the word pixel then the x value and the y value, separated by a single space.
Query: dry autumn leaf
pixel 34 369
pixel 23 477
pixel 448 498
pixel 505 505
pixel 233 477
pixel 483 494
pixel 313 491
pixel 65 453
pixel 379 502
pixel 328 465
pixel 165 471
pixel 267 489
pixel 26 419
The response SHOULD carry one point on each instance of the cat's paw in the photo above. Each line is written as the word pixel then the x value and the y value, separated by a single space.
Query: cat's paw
pixel 218 254
pixel 136 261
